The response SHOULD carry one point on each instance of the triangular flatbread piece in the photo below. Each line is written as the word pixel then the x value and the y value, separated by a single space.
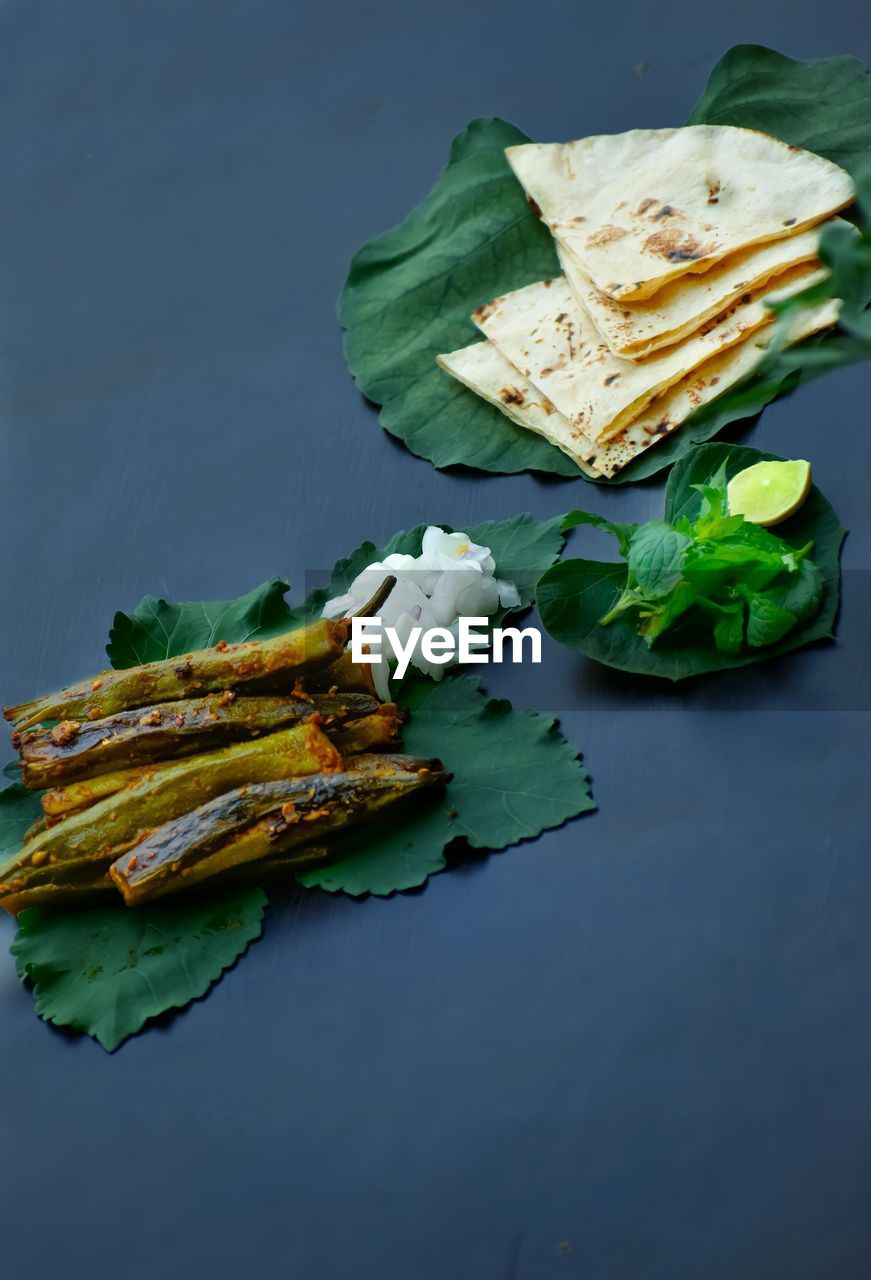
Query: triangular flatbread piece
pixel 546 334
pixel 670 410
pixel 638 329
pixel 641 208
pixel 484 370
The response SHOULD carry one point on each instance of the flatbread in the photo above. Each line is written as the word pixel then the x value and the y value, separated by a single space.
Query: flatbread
pixel 482 366
pixel 485 371
pixel 665 414
pixel 641 208
pixel 546 334
pixel 635 330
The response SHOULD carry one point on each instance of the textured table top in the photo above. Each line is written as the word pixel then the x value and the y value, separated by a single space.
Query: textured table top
pixel 636 1048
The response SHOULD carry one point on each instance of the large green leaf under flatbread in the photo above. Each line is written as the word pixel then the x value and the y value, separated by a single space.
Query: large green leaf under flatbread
pixel 410 291
pixel 821 104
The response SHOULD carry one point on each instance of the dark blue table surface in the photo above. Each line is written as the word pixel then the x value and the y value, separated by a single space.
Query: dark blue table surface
pixel 637 1048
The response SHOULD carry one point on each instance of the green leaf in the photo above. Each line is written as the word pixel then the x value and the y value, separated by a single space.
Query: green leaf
pixel 622 532
pixel 713 520
pixel 767 622
pixel 19 809
pixel 575 594
pixel 410 292
pixel 514 777
pixel 823 104
pixel 710 565
pixel 522 548
pixel 656 557
pixel 729 631
pixel 157 629
pixel 654 623
pixel 108 970
pixel 802 591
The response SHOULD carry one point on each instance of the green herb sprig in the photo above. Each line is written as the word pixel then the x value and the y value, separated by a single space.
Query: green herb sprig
pixel 699 590
pixel 751 586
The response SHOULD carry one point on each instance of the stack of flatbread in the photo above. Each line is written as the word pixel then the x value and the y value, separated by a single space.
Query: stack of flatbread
pixel 671 242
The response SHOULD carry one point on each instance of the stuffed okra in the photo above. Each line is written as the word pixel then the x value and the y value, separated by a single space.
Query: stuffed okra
pixel 257 824
pixel 101 832
pixel 379 731
pixel 74 750
pixel 261 665
pixel 343 676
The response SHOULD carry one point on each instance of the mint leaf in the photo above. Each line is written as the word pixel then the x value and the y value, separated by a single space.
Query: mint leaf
pixel 656 556
pixel 802 591
pixel 712 564
pixel 729 631
pixel 157 629
pixel 654 621
pixel 108 970
pixel 713 520
pixel 767 621
pixel 514 777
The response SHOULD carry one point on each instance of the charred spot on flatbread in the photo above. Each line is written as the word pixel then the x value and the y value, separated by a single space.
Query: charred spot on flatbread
pixel 480 314
pixel 675 245
pixel 605 235
pixel 512 395
pixel 610 181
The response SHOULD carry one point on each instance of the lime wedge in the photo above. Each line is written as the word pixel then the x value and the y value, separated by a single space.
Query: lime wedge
pixel 768 492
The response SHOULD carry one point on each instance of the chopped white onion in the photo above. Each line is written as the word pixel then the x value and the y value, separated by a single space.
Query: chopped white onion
pixel 452 578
